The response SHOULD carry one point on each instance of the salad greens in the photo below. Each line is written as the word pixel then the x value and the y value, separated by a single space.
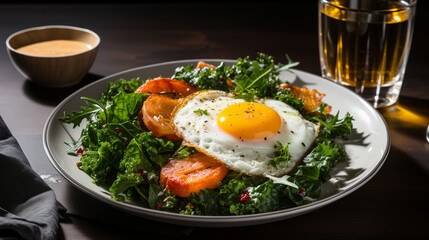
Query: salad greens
pixel 126 159
pixel 258 78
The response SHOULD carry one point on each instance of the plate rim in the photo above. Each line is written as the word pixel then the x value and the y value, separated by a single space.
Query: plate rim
pixel 207 221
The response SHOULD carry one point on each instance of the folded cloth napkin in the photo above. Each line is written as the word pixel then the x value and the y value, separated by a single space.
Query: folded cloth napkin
pixel 28 206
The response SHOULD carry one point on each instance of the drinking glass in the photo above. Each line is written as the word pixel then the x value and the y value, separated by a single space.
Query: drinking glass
pixel 364 45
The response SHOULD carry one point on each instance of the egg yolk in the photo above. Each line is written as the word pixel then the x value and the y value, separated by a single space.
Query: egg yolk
pixel 249 120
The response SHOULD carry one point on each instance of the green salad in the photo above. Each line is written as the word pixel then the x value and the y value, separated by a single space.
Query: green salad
pixel 125 158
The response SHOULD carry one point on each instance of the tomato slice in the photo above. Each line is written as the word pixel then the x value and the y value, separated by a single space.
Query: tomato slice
pixel 192 174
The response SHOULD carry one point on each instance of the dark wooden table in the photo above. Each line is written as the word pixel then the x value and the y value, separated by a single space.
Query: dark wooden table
pixel 394 204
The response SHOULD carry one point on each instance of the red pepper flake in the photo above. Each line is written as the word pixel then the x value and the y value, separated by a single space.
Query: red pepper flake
pixel 104 126
pixel 118 130
pixel 78 164
pixel 301 192
pixel 190 205
pixel 245 196
pixel 79 151
pixel 158 205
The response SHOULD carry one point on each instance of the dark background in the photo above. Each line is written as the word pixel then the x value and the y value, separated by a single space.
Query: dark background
pixel 217 30
pixel 391 205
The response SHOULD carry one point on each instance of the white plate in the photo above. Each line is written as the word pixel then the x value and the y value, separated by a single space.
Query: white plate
pixel 367 148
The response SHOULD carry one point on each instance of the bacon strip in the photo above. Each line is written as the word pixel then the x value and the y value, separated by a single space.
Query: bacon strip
pixel 311 99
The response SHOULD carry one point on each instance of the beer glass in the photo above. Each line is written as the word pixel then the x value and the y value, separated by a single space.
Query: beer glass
pixel 364 45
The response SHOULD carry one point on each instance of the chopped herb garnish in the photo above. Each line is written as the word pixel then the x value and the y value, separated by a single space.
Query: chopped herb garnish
pixel 201 112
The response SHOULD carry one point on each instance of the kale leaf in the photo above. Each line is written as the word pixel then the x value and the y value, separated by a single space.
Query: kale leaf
pixel 142 161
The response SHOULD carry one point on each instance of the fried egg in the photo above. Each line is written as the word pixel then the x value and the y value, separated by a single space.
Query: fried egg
pixel 243 135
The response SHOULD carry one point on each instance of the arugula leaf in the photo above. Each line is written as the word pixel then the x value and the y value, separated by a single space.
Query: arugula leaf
pixel 74 147
pixel 332 126
pixel 255 79
pixel 97 109
pixel 288 66
pixel 258 78
pixel 92 111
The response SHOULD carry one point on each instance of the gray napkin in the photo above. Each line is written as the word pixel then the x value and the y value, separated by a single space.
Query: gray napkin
pixel 28 206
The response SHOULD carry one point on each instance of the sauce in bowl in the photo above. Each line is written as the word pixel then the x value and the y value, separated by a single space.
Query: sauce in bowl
pixel 55 48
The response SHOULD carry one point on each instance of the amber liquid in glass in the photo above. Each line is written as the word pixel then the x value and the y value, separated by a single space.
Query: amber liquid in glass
pixel 364 50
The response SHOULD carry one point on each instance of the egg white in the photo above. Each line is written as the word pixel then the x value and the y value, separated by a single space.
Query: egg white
pixel 251 157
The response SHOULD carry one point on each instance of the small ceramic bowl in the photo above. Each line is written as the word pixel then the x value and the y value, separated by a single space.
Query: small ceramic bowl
pixel 53 71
